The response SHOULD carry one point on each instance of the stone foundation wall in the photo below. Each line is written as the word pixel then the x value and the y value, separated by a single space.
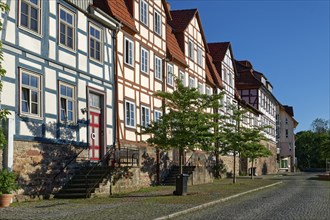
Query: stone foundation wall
pixel 267 165
pixel 228 161
pixel 38 163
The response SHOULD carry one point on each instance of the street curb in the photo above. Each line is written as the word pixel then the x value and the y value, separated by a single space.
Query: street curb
pixel 199 207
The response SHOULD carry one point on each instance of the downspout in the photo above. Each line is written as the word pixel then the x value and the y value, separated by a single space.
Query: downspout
pixel 116 103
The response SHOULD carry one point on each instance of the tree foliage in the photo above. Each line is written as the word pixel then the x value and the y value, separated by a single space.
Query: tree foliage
pixel 313 146
pixel 186 123
pixel 242 140
pixel 320 125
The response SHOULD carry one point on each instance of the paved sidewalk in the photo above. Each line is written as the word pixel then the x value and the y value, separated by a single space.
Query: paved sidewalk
pixel 149 203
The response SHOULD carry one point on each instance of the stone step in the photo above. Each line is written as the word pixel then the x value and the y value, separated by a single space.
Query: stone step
pixel 71 195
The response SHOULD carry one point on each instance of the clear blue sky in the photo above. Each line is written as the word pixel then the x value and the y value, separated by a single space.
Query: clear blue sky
pixel 287 40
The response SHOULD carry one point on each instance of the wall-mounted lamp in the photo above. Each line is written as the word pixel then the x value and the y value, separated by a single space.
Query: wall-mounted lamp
pixel 83 110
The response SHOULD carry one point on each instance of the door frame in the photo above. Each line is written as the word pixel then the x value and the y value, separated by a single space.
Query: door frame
pixel 103 116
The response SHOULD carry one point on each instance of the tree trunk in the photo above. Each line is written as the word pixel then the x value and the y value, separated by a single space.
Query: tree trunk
pixel 252 173
pixel 158 166
pixel 181 160
pixel 234 172
pixel 217 165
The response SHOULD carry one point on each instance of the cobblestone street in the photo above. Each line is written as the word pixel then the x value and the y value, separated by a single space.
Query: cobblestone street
pixel 300 197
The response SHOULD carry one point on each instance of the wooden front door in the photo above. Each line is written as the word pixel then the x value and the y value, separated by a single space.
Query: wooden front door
pixel 94 136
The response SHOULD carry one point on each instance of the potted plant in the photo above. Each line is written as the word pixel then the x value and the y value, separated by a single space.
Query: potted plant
pixel 8 184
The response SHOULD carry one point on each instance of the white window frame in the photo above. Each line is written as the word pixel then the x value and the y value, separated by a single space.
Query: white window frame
pixel 200 88
pixel 191 49
pixel 144 61
pixel 208 90
pixel 182 76
pixel 157 115
pixel 131 121
pixel 158 23
pixel 144 12
pixel 128 55
pixel 67 25
pixel 93 53
pixel 30 89
pixel 67 100
pixel 170 74
pixel 199 56
pixel 30 6
pixel 145 116
pixel 191 82
pixel 158 68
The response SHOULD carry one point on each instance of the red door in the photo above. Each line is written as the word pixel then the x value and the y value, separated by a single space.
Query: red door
pixel 94 138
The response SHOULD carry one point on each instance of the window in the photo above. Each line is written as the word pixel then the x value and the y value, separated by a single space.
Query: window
pixel 199 56
pixel 157 115
pixel 95 42
pixel 30 93
pixel 191 49
pixel 67 102
pixel 170 74
pixel 191 82
pixel 182 77
pixel 30 12
pixel 207 90
pixel 144 12
pixel 67 28
pixel 94 100
pixel 145 116
pixel 286 121
pixel 286 133
pixel 158 23
pixel 129 51
pixel 129 114
pixel 144 60
pixel 200 88
pixel 158 68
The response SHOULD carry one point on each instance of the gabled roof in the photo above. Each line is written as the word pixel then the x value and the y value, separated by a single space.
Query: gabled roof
pixel 209 78
pixel 213 71
pixel 182 18
pixel 245 77
pixel 288 109
pixel 173 49
pixel 218 50
pixel 119 10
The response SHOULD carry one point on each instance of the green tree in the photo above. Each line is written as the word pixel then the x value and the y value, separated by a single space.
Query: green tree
pixel 325 146
pixel 187 121
pixel 3 112
pixel 320 125
pixel 308 149
pixel 233 138
pixel 253 148
pixel 242 140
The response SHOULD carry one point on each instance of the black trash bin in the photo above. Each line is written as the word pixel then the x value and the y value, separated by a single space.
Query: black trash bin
pixel 181 185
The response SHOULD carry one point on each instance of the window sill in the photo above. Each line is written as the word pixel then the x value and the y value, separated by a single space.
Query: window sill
pixel 37 34
pixel 30 116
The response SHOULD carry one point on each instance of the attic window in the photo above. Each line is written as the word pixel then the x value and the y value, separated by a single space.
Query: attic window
pixel 191 49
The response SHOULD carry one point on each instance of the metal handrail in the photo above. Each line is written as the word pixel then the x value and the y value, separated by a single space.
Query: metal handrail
pixel 189 159
pixel 68 163
pixel 89 189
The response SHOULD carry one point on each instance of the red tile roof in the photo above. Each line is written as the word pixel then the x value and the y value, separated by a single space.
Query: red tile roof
pixel 119 10
pixel 218 50
pixel 173 49
pixel 181 19
pixel 213 71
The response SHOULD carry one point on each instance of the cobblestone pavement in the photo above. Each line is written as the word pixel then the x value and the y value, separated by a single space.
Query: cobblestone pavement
pixel 299 197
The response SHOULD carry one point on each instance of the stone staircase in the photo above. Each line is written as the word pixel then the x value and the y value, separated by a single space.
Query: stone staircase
pixel 170 180
pixel 77 186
